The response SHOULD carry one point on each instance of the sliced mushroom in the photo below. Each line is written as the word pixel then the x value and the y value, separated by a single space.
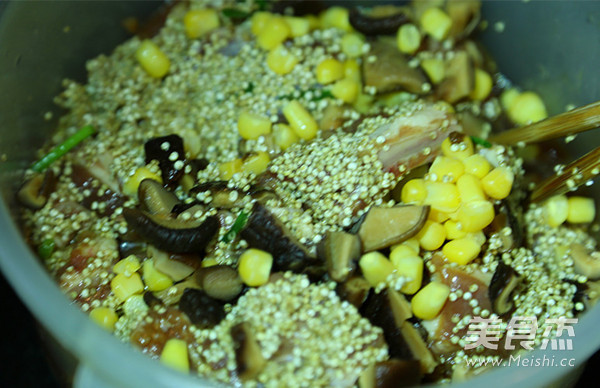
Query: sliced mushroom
pixel 222 196
pixel 354 290
pixel 173 294
pixel 585 264
pixel 34 193
pixel 154 198
pixel 176 270
pixel 391 373
pixel 340 250
pixel 172 235
pixel 105 199
pixel 383 227
pixel 202 310
pixel 169 152
pixel 220 282
pixel 501 288
pixel 459 80
pixel 381 20
pixel 390 70
pixel 248 356
pixel 418 347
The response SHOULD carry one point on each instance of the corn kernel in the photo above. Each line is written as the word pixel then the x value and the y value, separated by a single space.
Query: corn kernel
pixel 152 59
pixel 469 188
pixel 414 191
pixel 256 162
pixel 363 103
pixel 410 267
pixel 105 317
pixel 437 216
pixel 457 149
pixel 581 210
pixel 413 243
pixel 431 236
pixel 284 136
pixel 352 70
pixel 461 250
pixel 477 166
pixel 329 70
pixel 482 85
pixel 498 182
pixel 298 25
pixel 346 90
pixel 446 169
pixel 478 237
pixel 175 355
pixel 430 300
pixel 259 20
pixel 436 23
pixel 475 215
pixel 442 196
pixel 127 266
pixel 435 69
pixel 154 279
pixel 376 268
pixel 402 250
pixel 251 125
pixel 507 98
pixel 352 45
pixel 274 32
pixel 454 230
pixel 337 17
pixel 527 108
pixel 135 305
pixel 313 22
pixel 408 38
pixel 281 61
pixel 198 22
pixel 130 187
pixel 255 267
pixel 125 286
pixel 556 210
pixel 300 120
pixel 228 169
pixel 209 262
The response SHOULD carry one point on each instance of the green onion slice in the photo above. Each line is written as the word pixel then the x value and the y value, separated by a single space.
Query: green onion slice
pixel 237 226
pixel 64 147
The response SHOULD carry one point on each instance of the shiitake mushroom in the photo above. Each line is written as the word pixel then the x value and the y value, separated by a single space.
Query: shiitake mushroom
pixel 168 151
pixel 203 310
pixel 382 20
pixel 35 192
pixel 503 284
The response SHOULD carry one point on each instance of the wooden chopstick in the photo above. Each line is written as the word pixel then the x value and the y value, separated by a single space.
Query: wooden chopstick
pixel 565 124
pixel 573 175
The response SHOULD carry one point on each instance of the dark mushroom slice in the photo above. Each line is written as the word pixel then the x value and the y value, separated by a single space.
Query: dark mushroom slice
pixel 172 295
pixel 151 300
pixel 35 192
pixel 584 263
pixel 382 20
pixel 220 282
pixel 340 250
pixel 248 356
pixel 383 227
pixel 202 310
pixel 459 80
pixel 104 200
pixel 155 199
pixel 129 247
pixel 168 151
pixel 175 269
pixel 172 235
pixel 391 373
pixel 264 231
pixel 501 289
pixel 390 71
pixel 354 290
pixel 222 196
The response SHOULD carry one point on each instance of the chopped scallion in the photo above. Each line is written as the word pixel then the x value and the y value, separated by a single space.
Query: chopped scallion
pixel 237 226
pixel 64 147
pixel 46 249
pixel 481 142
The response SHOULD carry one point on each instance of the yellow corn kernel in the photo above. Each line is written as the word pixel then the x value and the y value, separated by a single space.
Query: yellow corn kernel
pixel 256 162
pixel 127 266
pixel 228 169
pixel 281 60
pixel 460 148
pixel 461 250
pixel 337 17
pixel 251 125
pixel 454 230
pixel 198 22
pixel 125 286
pixel 414 191
pixel 436 23
pixel 209 262
pixel 352 70
pixel 274 32
pixel 437 216
pixel 130 187
pixel 329 70
pixel 353 44
pixel 477 166
pixel 346 90
pixel 152 59
pixel 410 267
pixel 105 317
pixel 507 98
pixel 376 268
pixel 482 85
pixel 434 68
pixel 526 108
pixel 154 279
pixel 446 169
pixel 475 215
pixel 175 355
pixel 498 182
pixel 284 136
pixel 300 120
pixel 408 38
pixel 442 196
pixel 254 267
pixel 259 20
pixel 556 210
pixel 413 243
pixel 469 188
pixel 431 236
pixel 430 300
pixel 402 250
pixel 298 25
pixel 581 210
